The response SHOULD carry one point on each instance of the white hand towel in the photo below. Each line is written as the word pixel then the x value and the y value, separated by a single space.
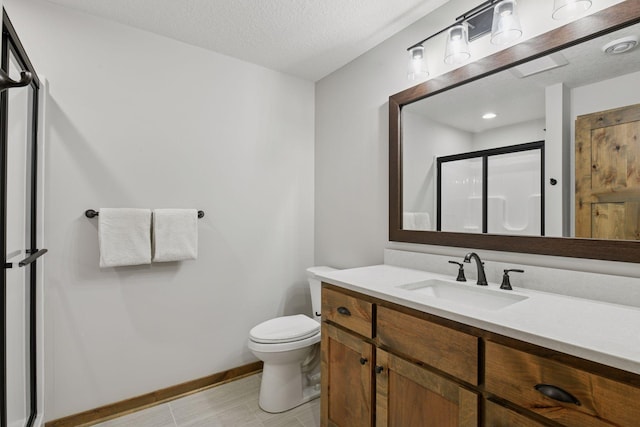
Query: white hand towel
pixel 125 237
pixel 423 221
pixel 175 234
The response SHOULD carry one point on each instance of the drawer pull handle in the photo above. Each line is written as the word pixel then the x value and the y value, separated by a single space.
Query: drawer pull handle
pixel 556 393
pixel 344 311
pixel 363 360
pixel 379 369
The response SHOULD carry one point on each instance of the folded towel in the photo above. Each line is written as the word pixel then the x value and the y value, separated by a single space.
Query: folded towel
pixel 422 221
pixel 175 234
pixel 408 221
pixel 416 221
pixel 124 236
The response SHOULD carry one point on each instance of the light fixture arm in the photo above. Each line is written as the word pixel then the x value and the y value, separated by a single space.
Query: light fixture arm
pixel 460 19
pixel 476 10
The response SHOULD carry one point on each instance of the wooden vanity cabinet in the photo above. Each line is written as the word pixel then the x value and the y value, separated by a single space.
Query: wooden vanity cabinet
pixel 385 365
pixel 364 385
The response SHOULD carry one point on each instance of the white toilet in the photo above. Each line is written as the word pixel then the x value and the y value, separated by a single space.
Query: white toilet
pixel 289 346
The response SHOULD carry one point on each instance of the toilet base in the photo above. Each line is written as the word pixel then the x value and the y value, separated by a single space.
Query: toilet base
pixel 285 386
pixel 308 394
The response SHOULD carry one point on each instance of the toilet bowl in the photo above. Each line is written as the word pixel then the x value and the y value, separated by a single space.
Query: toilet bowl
pixel 289 347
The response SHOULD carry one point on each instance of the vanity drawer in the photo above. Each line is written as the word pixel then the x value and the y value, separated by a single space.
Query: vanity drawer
pixel 351 312
pixel 499 416
pixel 446 349
pixel 516 376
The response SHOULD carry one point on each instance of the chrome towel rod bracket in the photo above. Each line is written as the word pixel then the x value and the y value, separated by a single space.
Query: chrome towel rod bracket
pixel 91 213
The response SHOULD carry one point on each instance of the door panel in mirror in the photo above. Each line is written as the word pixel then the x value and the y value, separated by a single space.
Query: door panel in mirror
pixel 461 196
pixel 608 174
pixel 514 193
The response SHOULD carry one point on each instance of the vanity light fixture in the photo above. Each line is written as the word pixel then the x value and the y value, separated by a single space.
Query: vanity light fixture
pixel 457 48
pixel 417 64
pixel 506 23
pixel 489 116
pixel 565 9
pixel 499 17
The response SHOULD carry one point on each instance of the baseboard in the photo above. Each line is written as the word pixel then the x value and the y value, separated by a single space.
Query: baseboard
pixel 134 404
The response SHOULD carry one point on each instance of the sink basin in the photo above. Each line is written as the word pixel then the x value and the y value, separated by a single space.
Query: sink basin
pixel 469 295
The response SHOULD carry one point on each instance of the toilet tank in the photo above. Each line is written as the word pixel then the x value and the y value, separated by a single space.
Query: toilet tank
pixel 315 288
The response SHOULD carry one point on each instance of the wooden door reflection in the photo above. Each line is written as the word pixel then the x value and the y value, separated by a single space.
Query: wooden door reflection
pixel 608 174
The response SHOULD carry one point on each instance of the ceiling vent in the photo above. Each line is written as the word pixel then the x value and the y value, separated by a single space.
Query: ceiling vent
pixel 622 45
pixel 539 65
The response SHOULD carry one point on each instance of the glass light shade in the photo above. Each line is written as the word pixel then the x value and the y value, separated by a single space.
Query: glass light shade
pixel 565 9
pixel 506 23
pixel 417 64
pixel 457 48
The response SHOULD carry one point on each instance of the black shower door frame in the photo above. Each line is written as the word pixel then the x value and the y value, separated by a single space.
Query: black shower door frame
pixel 484 156
pixel 11 45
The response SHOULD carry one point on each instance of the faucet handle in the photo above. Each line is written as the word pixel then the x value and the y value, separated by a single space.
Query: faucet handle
pixel 506 283
pixel 460 277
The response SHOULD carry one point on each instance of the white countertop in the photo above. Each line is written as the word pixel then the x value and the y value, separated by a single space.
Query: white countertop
pixel 598 331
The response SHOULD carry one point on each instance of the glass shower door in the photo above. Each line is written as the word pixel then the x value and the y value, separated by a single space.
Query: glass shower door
pixel 19 87
pixel 17 240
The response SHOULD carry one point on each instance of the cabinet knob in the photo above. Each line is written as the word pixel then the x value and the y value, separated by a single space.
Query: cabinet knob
pixel 344 311
pixel 556 393
pixel 363 360
pixel 379 369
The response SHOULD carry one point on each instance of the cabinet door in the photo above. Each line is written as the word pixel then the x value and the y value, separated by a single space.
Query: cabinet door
pixel 408 395
pixel 347 379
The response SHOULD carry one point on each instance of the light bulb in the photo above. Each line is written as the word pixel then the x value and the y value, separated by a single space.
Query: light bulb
pixel 565 9
pixel 417 64
pixel 457 47
pixel 506 23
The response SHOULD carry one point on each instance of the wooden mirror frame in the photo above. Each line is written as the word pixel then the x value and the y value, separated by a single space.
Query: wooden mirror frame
pixel 611 19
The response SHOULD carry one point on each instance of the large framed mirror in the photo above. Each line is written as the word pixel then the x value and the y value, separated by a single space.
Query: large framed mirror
pixel 549 174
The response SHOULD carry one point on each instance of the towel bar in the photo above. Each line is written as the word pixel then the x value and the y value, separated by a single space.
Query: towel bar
pixel 90 213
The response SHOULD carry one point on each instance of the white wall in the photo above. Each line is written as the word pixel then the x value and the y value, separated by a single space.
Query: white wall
pixel 138 120
pixel 352 141
pixel 519 133
pixel 423 139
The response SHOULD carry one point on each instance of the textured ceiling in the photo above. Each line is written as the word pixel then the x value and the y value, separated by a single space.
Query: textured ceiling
pixel 305 38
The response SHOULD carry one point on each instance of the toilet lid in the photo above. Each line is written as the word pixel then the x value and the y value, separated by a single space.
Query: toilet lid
pixel 285 329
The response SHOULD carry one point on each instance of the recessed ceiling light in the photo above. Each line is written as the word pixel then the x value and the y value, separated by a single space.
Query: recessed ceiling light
pixel 489 116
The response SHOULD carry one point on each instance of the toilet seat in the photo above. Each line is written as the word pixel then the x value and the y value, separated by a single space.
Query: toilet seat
pixel 284 329
pixel 284 346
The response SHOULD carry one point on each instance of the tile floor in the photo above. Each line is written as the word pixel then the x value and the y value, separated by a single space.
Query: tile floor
pixel 229 405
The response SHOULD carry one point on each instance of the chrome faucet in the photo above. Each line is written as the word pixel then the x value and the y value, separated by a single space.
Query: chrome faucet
pixel 482 279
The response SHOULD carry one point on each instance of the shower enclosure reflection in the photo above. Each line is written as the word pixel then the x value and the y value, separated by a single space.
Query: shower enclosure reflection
pixel 496 191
